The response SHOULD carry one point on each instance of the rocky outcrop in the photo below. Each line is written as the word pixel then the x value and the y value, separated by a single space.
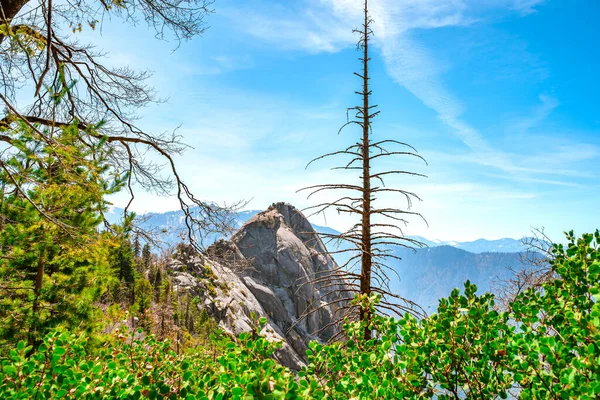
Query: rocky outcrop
pixel 275 266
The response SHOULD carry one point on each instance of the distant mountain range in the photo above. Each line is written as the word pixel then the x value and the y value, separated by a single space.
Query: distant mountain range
pixel 431 273
pixel 506 245
pixel 423 275
pixel 171 226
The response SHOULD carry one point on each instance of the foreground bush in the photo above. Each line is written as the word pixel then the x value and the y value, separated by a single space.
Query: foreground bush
pixel 64 368
pixel 460 352
pixel 545 347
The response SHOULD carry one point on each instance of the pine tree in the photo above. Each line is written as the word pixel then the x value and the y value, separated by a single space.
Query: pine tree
pixel 123 263
pixel 157 283
pixel 146 257
pixel 55 264
pixel 165 308
pixel 137 248
pixel 144 296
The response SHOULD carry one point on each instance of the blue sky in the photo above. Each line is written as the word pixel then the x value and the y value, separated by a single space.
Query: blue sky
pixel 500 96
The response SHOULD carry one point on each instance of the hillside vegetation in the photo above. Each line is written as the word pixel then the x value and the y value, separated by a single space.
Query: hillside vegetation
pixel 545 346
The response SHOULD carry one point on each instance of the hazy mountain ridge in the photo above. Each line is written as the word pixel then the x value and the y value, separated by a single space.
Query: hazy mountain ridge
pixel 505 245
pixel 423 275
pixel 431 273
pixel 171 225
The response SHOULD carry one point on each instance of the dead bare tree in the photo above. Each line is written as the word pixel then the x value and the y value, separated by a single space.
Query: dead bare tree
pixel 39 53
pixel 373 239
pixel 536 260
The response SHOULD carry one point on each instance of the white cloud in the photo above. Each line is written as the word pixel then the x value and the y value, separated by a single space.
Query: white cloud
pixel 312 29
pixel 325 25
pixel 526 6
pixel 539 113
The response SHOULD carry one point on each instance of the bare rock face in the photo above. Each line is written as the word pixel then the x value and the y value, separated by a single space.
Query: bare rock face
pixel 286 255
pixel 275 266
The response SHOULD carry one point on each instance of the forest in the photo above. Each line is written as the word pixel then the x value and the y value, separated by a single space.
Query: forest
pixel 93 309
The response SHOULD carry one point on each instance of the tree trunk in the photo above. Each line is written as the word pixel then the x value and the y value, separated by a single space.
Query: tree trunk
pixel 366 259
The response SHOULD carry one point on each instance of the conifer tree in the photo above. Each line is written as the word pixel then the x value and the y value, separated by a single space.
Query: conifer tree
pixel 54 265
pixel 146 257
pixel 137 248
pixel 144 296
pixel 377 233
pixel 157 283
pixel 165 309
pixel 123 263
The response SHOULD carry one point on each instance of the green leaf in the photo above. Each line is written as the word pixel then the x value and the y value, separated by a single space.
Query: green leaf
pixel 9 369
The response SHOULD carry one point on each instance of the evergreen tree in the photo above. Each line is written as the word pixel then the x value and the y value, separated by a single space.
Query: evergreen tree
pixel 157 284
pixel 137 248
pixel 123 263
pixel 165 309
pixel 144 296
pixel 54 263
pixel 146 257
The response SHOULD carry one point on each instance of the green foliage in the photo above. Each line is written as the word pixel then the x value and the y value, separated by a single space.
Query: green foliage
pixel 457 353
pixel 558 337
pixel 358 368
pixel 122 260
pixel 64 368
pixel 54 263
pixel 144 294
pixel 146 260
pixel 155 277
pixel 460 352
pixel 136 247
pixel 546 347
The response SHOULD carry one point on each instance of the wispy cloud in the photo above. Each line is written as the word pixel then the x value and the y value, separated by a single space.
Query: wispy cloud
pixel 539 113
pixel 312 29
pixel 411 65
pixel 323 26
pixel 526 6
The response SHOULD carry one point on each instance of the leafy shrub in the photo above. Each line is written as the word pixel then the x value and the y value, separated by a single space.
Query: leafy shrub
pixel 63 367
pixel 558 340
pixel 460 352
pixel 547 347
